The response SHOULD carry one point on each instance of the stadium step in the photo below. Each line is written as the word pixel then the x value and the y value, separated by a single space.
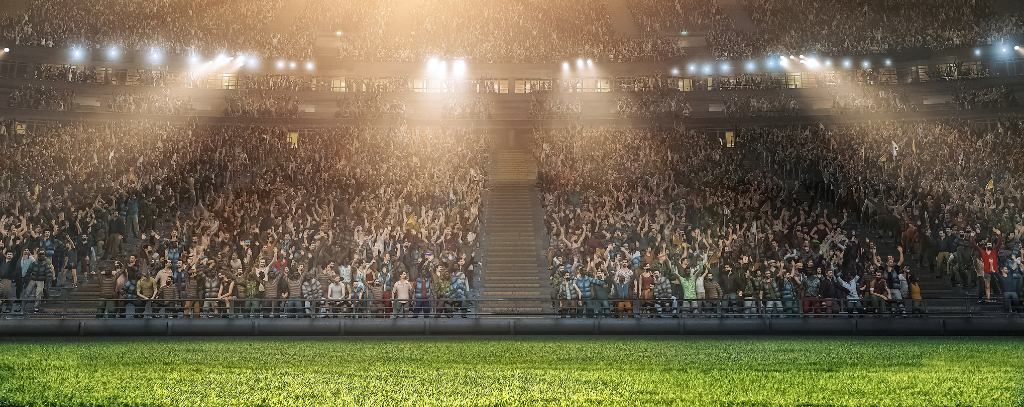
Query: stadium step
pixel 401 21
pixel 513 229
pixel 621 18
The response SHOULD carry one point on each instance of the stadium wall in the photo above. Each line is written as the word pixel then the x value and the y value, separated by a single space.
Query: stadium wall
pixel 947 326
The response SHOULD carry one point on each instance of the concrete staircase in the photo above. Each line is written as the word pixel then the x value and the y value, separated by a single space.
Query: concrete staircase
pixel 621 19
pixel 285 16
pixel 400 23
pixel 740 18
pixel 514 266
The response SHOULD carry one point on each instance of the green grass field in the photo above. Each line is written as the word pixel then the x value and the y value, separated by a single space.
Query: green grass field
pixel 526 372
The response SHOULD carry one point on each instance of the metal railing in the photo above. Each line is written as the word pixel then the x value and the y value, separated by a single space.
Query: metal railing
pixel 67 308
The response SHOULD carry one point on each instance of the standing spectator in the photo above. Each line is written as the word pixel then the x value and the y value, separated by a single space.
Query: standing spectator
pixel 226 294
pixel 602 287
pixel 402 294
pixel 251 293
pixel 146 290
pixel 194 283
pixel 336 294
pixel 1008 284
pixel 8 273
pixel 421 294
pixel 312 292
pixel 114 234
pixel 878 294
pixel 108 290
pixel 167 300
pixel 38 273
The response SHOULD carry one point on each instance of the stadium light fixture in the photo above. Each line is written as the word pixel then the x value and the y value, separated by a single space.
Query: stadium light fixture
pixel 432 65
pixel 193 59
pixel 7 49
pixel 459 68
pixel 155 56
pixel 280 64
pixel 675 71
pixel 692 68
pixel 113 52
pixel 866 64
pixel 751 66
pixel 309 65
pixel 707 68
pixel 590 63
pixel 579 63
pixel 338 33
pixel 76 53
pixel 847 63
pixel 725 67
pixel 291 64
pixel 1015 48
pixel 977 52
pixel 828 63
pixel 565 66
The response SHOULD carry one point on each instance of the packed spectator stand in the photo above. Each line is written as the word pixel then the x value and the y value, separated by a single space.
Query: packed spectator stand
pixel 373 203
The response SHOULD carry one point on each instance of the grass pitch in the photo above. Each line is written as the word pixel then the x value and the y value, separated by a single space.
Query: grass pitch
pixel 525 372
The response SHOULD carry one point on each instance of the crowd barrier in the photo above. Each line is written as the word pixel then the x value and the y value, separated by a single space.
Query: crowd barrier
pixel 234 308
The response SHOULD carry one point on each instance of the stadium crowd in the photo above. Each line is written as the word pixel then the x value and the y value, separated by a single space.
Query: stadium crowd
pixel 668 104
pixel 150 103
pixel 544 107
pixel 790 27
pixel 993 96
pixel 520 31
pixel 262 104
pixel 41 97
pixel 233 220
pixel 455 107
pixel 369 106
pixel 665 221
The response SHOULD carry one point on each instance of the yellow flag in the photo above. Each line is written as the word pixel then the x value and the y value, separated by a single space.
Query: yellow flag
pixel 991 185
pixel 881 160
pixel 913 145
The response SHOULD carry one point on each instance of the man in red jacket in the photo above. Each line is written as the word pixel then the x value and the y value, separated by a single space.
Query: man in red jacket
pixel 989 258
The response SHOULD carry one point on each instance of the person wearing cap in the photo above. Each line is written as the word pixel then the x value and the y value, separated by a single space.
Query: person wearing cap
pixel 108 290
